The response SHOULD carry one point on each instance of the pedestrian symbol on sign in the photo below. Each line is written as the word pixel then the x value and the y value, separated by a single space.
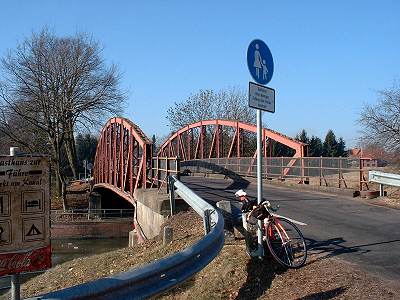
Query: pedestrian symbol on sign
pixel 260 62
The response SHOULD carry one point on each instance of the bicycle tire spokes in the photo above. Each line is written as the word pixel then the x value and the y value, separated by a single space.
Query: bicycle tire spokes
pixel 286 243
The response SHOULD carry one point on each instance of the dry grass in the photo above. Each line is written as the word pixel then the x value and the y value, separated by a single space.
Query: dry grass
pixel 232 275
pixel 188 228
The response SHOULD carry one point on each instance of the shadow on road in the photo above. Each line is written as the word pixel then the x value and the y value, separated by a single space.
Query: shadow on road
pixel 333 247
pixel 324 295
pixel 260 274
pixel 238 181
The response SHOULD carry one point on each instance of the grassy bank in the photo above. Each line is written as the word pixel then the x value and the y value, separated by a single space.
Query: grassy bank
pixel 232 275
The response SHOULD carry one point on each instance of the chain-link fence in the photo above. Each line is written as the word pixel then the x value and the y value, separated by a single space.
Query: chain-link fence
pixel 80 215
pixel 340 172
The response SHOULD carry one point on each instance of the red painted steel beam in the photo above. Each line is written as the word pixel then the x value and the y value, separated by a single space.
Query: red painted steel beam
pixel 217 150
pixel 114 156
pixel 121 156
pixel 115 167
pixel 233 143
pixel 237 140
pixel 131 159
pixel 197 146
pixel 299 147
pixel 213 142
pixel 188 142
pixel 182 148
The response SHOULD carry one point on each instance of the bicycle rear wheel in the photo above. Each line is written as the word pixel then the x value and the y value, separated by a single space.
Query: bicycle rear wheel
pixel 286 243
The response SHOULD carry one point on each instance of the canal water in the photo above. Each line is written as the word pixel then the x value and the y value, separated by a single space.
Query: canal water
pixel 64 250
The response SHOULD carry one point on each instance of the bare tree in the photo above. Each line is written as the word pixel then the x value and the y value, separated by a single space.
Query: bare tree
pixel 56 85
pixel 228 104
pixel 382 121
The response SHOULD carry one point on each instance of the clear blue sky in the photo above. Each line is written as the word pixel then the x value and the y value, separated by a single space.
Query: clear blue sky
pixel 330 56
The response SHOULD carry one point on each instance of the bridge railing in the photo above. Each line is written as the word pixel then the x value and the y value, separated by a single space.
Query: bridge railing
pixel 78 215
pixel 339 172
pixel 162 169
pixel 163 274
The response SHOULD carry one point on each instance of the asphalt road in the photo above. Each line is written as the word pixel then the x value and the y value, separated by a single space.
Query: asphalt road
pixel 361 233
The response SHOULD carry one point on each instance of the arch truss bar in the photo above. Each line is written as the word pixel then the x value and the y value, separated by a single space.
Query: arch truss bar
pixel 123 160
pixel 207 139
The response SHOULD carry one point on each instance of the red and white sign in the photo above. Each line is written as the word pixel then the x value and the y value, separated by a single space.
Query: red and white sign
pixel 24 214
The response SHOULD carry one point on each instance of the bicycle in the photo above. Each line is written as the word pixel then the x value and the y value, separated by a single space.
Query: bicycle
pixel 284 240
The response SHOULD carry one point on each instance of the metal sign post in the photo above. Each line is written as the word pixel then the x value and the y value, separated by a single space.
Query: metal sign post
pixel 261 67
pixel 259 179
pixel 15 287
pixel 15 278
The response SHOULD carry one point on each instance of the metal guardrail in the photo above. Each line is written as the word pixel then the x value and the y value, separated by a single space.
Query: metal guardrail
pixel 163 274
pixel 384 179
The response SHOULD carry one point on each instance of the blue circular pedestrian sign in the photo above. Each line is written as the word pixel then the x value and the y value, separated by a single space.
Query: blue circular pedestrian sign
pixel 260 62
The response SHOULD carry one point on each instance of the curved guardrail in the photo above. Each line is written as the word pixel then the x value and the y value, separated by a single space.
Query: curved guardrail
pixel 384 179
pixel 163 274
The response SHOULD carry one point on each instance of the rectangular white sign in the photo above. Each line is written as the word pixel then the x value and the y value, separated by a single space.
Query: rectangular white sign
pixel 261 97
pixel 24 214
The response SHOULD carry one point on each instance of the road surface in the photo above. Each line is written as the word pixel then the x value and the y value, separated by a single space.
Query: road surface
pixel 357 232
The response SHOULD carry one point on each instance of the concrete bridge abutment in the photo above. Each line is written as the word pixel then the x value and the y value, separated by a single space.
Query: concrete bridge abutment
pixel 152 209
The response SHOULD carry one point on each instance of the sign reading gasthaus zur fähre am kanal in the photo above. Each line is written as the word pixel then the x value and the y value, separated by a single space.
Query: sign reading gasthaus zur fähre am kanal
pixel 24 214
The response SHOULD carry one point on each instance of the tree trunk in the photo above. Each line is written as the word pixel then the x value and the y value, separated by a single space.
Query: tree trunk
pixel 71 155
pixel 60 183
pixel 63 192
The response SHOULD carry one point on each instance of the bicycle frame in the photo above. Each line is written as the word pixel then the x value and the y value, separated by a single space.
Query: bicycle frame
pixel 273 230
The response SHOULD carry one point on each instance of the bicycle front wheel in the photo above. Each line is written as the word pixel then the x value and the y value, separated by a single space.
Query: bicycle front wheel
pixel 286 243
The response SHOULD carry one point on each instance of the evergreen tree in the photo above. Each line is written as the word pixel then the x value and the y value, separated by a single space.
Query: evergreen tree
pixel 85 149
pixel 154 140
pixel 302 137
pixel 279 150
pixel 330 145
pixel 315 147
pixel 341 145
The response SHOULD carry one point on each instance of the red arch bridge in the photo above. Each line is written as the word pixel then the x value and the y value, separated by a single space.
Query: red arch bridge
pixel 126 160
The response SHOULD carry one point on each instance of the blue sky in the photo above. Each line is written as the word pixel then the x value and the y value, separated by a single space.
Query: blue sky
pixel 330 56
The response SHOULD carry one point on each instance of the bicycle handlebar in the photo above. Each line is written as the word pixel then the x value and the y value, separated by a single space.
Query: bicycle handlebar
pixel 269 206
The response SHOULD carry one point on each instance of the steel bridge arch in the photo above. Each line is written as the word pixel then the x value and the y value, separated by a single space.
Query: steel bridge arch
pixel 123 158
pixel 179 143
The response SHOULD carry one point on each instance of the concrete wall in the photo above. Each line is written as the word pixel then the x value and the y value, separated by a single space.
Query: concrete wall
pixel 106 229
pixel 152 210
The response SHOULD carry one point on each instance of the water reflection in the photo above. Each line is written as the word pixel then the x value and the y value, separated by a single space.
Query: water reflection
pixel 64 250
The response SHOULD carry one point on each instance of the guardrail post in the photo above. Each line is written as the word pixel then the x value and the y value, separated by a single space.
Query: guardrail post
pixel 381 190
pixel 167 235
pixel 171 188
pixel 207 221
